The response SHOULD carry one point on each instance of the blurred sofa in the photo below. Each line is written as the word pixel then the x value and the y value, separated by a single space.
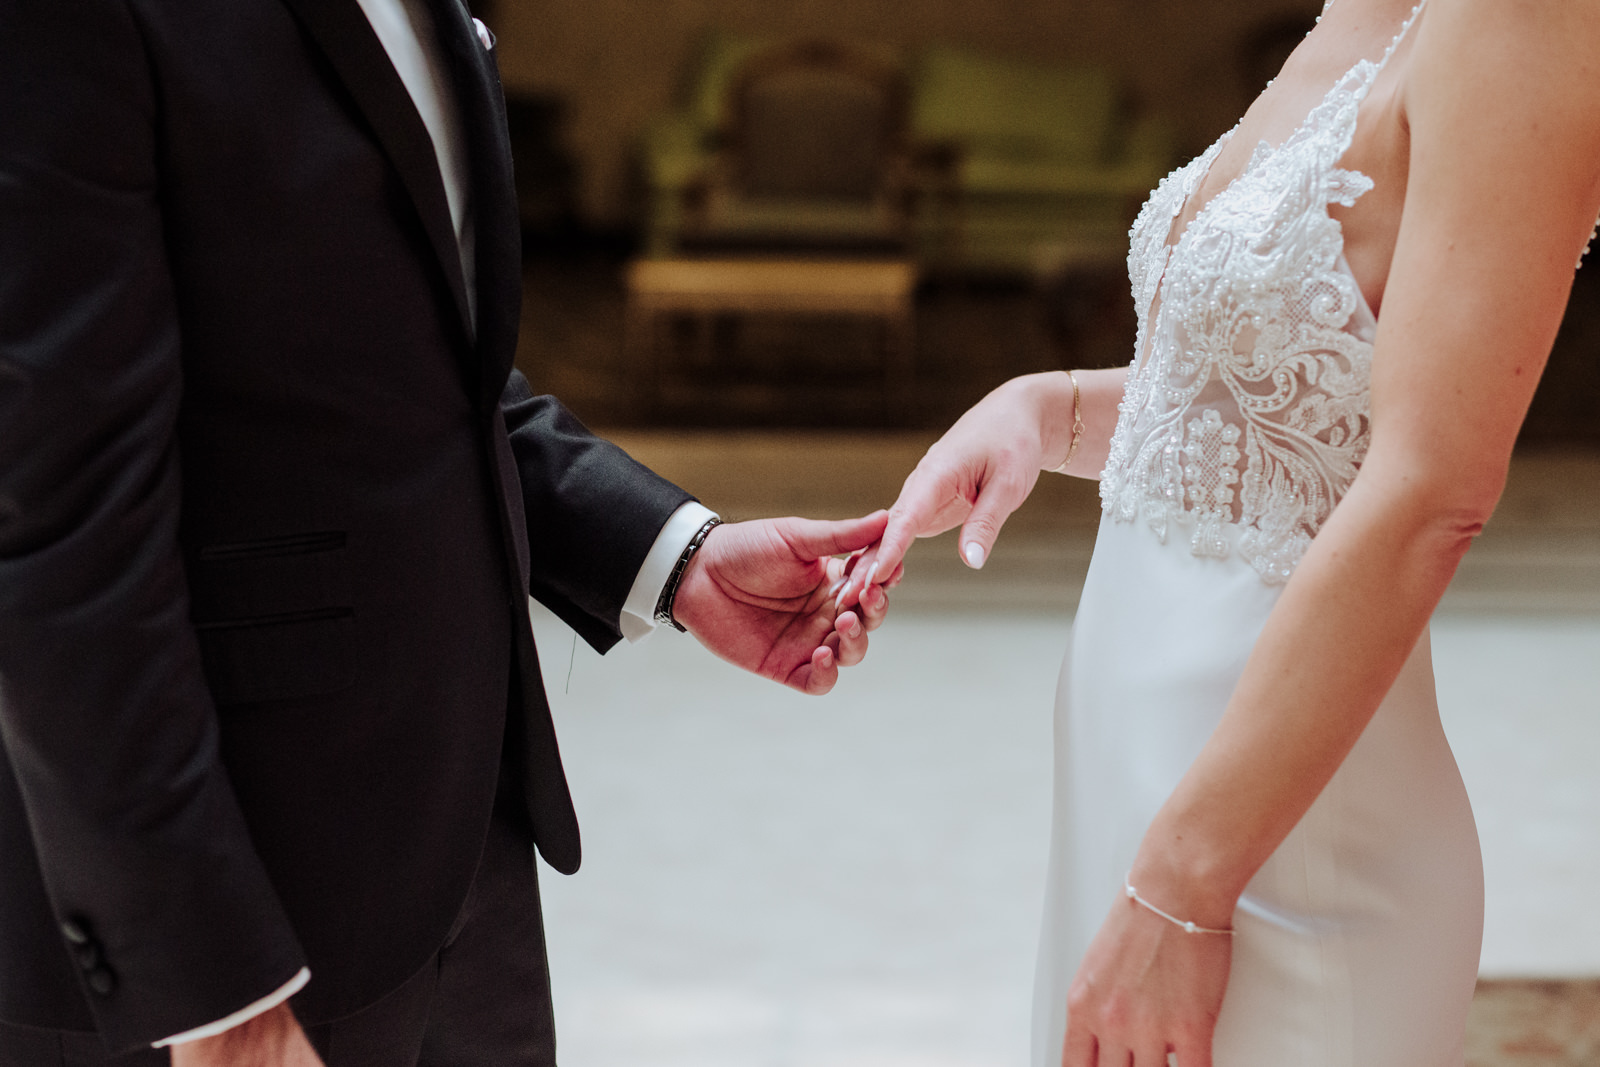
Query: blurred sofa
pixel 992 165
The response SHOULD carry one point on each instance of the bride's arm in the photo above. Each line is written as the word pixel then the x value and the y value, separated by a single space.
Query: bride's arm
pixel 1503 102
pixel 985 466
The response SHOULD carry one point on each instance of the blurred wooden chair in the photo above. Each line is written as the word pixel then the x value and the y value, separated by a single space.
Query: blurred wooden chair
pixel 798 206
pixel 811 157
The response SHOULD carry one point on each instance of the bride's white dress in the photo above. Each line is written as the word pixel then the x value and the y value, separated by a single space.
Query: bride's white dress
pixel 1244 421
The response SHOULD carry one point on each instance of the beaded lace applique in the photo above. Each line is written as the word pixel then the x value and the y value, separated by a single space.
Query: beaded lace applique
pixel 1248 406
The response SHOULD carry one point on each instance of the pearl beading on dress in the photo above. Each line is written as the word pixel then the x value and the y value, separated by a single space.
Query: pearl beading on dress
pixel 1246 413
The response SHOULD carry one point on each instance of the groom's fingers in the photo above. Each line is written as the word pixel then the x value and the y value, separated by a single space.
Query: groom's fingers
pixel 818 539
pixel 866 575
pixel 818 676
pixel 874 604
pixel 851 631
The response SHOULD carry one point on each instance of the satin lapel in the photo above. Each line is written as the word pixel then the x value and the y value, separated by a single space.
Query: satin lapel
pixel 345 36
pixel 497 223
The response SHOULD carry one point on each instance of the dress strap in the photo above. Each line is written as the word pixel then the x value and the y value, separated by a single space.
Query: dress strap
pixel 1411 20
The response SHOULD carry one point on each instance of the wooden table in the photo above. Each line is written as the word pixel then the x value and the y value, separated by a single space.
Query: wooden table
pixel 877 289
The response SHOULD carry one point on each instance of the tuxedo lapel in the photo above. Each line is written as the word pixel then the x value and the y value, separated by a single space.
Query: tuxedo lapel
pixel 346 38
pixel 497 224
pixel 499 274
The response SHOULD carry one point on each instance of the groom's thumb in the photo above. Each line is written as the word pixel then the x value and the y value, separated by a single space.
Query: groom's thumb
pixel 815 538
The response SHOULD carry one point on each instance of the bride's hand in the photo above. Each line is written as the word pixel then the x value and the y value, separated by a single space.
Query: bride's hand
pixel 975 476
pixel 1146 987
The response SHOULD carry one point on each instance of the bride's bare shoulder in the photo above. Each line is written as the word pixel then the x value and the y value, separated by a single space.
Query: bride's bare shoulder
pixel 1517 79
pixel 1517 49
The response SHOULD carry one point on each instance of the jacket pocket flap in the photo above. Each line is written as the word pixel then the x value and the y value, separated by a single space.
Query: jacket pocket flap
pixel 271 580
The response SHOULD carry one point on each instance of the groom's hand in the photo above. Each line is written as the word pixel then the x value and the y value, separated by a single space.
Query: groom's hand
pixel 271 1039
pixel 762 595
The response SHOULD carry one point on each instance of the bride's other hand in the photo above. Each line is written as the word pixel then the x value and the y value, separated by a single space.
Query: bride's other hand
pixel 1145 988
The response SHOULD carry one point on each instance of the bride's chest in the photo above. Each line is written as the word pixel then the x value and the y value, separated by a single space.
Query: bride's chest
pixel 1250 216
pixel 1272 201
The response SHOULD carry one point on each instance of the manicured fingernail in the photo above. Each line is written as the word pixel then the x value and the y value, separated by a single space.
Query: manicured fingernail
pixel 834 592
pixel 974 555
pixel 871 574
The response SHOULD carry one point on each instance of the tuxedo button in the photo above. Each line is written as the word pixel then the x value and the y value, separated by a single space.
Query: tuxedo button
pixel 88 955
pixel 75 930
pixel 102 981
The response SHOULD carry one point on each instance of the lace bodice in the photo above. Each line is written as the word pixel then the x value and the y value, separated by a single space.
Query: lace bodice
pixel 1245 415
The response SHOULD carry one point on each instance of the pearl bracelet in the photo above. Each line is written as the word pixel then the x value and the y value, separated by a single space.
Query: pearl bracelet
pixel 1188 927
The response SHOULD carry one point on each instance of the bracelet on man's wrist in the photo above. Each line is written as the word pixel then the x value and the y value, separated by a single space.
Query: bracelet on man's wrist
pixel 669 592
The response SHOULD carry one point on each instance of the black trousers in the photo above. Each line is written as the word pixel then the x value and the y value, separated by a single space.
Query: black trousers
pixel 483 1000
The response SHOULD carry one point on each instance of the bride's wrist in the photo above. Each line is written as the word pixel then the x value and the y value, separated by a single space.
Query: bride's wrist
pixel 1051 398
pixel 1193 890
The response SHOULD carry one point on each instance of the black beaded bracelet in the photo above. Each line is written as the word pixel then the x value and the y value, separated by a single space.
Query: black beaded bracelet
pixel 669 592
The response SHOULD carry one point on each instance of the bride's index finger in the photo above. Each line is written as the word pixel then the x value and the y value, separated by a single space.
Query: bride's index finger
pixel 917 511
pixel 905 525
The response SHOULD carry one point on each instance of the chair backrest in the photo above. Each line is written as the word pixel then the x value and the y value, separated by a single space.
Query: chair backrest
pixel 815 120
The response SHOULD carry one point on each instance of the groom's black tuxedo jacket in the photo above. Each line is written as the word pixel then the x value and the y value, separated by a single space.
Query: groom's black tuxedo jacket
pixel 270 509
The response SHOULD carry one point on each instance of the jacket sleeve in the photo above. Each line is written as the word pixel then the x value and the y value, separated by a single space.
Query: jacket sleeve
pixel 105 717
pixel 592 513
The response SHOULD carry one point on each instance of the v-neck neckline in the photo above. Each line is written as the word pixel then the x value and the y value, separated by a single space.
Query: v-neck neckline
pixel 1264 150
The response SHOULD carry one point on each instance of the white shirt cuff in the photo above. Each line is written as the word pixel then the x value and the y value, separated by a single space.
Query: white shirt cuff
pixel 243 1015
pixel 639 610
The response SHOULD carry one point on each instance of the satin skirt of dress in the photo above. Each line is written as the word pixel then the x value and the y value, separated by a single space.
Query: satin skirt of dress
pixel 1358 940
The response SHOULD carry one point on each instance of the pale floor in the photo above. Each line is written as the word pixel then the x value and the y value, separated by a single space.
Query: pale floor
pixel 775 881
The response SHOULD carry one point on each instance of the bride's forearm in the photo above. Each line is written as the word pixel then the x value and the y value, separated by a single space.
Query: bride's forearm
pixel 1098 393
pixel 1330 652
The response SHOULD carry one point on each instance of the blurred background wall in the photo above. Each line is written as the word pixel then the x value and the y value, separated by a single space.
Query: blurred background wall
pixel 618 63
pixel 587 77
